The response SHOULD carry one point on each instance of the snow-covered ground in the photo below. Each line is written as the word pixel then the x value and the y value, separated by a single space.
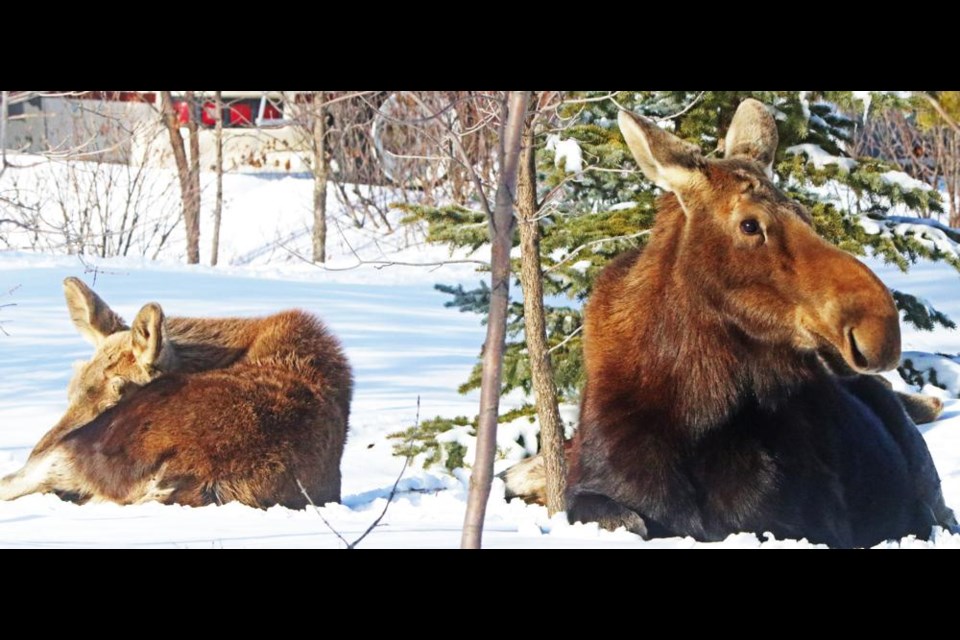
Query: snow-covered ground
pixel 403 344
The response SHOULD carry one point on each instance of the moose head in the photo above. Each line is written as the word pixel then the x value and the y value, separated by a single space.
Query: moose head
pixel 751 254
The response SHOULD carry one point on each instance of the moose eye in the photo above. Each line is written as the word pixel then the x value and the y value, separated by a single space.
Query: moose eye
pixel 750 227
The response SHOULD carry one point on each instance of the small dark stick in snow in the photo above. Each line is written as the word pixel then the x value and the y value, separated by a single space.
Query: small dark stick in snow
pixel 9 304
pixel 95 270
pixel 393 492
pixel 329 526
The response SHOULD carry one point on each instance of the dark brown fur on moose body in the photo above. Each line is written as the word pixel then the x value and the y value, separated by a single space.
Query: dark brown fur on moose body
pixel 728 368
pixel 196 411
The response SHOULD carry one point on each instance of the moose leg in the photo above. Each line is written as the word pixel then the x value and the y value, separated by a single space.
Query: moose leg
pixel 584 506
pixel 35 476
pixel 921 408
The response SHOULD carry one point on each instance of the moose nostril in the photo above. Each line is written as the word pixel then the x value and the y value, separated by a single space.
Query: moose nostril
pixel 859 359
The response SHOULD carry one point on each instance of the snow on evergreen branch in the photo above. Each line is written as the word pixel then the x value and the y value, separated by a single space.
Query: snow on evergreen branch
pixel 820 158
pixel 935 237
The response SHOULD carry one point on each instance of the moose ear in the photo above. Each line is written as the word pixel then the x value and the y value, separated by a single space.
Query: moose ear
pixel 90 314
pixel 147 336
pixel 752 134
pixel 668 161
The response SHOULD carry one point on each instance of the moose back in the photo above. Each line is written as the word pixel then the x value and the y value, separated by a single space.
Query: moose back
pixel 196 411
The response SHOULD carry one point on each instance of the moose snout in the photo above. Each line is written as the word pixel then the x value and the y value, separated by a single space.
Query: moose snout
pixel 873 344
pixel 870 339
pixel 847 305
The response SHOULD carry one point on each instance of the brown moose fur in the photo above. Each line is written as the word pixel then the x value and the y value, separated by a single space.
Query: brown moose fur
pixel 196 411
pixel 921 408
pixel 729 368
pixel 527 479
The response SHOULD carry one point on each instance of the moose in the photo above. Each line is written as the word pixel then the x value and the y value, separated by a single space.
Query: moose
pixel 731 368
pixel 196 411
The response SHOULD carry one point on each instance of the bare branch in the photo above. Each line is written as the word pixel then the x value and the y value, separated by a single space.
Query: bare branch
pixel 588 100
pixel 380 264
pixel 4 109
pixel 564 101
pixel 610 97
pixel 478 185
pixel 450 105
pixel 15 223
pixel 501 227
pixel 586 245
pixel 393 491
pixel 329 526
pixel 614 101
pixel 348 96
pixel 573 176
pixel 218 168
pixel 684 110
pixel 929 154
pixel 9 304
pixel 604 170
pixel 941 111
pixel 570 336
pixel 553 192
pixel 390 497
pixel 95 270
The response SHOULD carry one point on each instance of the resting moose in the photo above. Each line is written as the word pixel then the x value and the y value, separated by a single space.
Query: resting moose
pixel 729 368
pixel 196 411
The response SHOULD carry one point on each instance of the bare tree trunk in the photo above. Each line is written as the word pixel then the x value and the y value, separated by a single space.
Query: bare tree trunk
pixel 950 181
pixel 191 218
pixel 218 204
pixel 5 106
pixel 319 179
pixel 189 179
pixel 534 328
pixel 501 238
pixel 952 178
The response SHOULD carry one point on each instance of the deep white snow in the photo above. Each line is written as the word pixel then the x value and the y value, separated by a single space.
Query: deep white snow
pixel 403 344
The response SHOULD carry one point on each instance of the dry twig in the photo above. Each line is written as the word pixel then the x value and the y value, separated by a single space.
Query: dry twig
pixel 375 523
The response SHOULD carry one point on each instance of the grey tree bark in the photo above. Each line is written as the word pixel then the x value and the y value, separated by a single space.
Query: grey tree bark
pixel 4 108
pixel 188 172
pixel 320 171
pixel 218 204
pixel 501 235
pixel 534 327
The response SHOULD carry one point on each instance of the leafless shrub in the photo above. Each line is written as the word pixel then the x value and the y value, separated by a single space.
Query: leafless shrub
pixel 88 189
pixel 931 155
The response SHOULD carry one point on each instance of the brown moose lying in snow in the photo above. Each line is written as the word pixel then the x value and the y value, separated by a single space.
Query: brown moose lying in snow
pixel 729 369
pixel 196 411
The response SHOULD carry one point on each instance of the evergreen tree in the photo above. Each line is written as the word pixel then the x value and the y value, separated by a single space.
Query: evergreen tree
pixel 591 216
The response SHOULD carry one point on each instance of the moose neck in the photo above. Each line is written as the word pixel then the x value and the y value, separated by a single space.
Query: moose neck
pixel 700 366
pixel 210 343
